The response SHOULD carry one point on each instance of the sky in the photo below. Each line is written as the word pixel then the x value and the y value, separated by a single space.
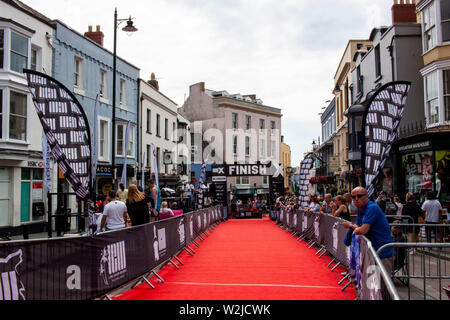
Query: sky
pixel 284 51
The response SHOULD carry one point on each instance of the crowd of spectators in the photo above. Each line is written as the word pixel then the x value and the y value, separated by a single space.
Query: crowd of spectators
pixel 132 207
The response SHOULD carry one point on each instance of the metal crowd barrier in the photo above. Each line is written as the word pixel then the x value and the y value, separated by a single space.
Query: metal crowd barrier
pixel 433 260
pixel 83 268
pixel 402 218
pixel 325 232
pixel 414 262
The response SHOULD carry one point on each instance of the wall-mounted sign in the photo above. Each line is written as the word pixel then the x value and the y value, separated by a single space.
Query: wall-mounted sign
pixel 104 170
pixel 415 146
pixel 35 164
pixel 167 157
pixel 334 164
pixel 241 170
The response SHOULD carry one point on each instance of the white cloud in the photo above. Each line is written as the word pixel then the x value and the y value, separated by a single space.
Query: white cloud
pixel 286 52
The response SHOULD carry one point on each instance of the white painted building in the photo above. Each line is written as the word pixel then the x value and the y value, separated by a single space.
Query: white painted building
pixel 159 123
pixel 25 42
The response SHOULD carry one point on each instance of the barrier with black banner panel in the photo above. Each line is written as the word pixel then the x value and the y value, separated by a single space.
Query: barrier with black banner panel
pixel 83 268
pixel 326 231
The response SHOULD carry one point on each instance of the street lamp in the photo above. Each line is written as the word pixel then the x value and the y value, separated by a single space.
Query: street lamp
pixel 128 29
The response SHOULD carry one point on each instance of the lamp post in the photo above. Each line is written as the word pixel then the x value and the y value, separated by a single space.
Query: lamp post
pixel 129 28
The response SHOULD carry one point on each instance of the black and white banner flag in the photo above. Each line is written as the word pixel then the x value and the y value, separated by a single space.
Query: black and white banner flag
pixel 67 130
pixel 303 183
pixel 200 184
pixel 380 122
pixel 66 127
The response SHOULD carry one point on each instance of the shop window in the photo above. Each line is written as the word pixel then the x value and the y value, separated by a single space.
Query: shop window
pixel 418 168
pixel 442 158
pixel 32 195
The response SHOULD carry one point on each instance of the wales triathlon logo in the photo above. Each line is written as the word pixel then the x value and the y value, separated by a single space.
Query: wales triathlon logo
pixel 113 263
pixel 11 288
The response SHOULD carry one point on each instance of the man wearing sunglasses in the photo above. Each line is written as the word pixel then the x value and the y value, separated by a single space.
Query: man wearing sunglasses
pixel 372 223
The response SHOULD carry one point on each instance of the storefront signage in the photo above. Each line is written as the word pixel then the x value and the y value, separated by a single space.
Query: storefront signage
pixel 37 191
pixel 334 164
pixel 104 170
pixel 35 164
pixel 415 146
pixel 219 179
pixel 241 170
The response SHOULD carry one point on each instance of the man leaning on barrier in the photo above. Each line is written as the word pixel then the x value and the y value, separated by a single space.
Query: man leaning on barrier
pixel 372 223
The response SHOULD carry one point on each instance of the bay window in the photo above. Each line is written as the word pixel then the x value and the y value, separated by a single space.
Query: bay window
pixel 2 46
pixel 19 52
pixel 432 98
pixel 446 79
pixel 445 20
pixel 18 116
pixel 429 27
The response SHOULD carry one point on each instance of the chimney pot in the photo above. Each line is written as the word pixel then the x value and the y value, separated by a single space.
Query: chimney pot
pixel 96 36
pixel 404 11
pixel 153 82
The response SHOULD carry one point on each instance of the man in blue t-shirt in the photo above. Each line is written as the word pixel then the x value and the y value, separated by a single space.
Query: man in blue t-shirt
pixel 372 223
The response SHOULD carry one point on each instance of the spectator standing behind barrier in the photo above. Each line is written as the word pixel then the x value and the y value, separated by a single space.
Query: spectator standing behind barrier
pixel 155 194
pixel 351 206
pixel 432 209
pixel 342 208
pixel 115 214
pixel 328 204
pixel 388 206
pixel 399 205
pixel 188 190
pixel 122 194
pixel 165 208
pixel 412 209
pixel 137 206
pixel 372 223
pixel 314 205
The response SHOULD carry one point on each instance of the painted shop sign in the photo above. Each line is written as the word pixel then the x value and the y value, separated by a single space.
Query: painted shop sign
pixel 415 146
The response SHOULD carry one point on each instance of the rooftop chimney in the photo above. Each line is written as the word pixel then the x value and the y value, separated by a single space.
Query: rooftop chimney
pixel 96 36
pixel 404 11
pixel 153 82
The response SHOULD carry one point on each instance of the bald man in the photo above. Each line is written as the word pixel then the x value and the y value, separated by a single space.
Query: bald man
pixel 372 223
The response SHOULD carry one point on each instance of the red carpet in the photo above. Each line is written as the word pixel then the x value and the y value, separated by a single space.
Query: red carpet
pixel 246 260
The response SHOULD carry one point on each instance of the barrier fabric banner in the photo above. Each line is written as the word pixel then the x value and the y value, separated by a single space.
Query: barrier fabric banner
pixel 380 124
pixel 87 267
pixel 371 285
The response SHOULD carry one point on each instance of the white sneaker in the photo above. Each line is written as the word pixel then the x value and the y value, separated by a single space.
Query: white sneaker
pixel 413 251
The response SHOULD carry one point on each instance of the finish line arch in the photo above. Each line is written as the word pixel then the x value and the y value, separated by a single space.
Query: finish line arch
pixel 220 173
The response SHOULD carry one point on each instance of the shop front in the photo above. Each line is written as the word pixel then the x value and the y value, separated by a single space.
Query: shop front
pixel 425 166
pixel 22 197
